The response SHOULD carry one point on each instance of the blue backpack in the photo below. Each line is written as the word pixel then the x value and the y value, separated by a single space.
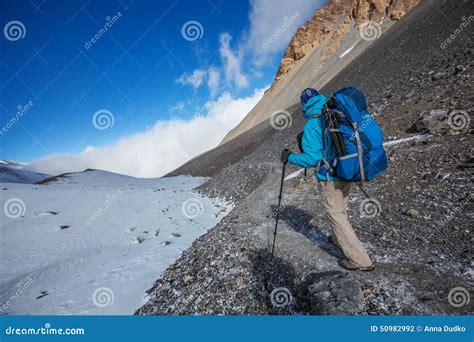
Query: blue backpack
pixel 356 136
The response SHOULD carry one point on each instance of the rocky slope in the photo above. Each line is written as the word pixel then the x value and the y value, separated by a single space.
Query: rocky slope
pixel 336 34
pixel 324 22
pixel 419 83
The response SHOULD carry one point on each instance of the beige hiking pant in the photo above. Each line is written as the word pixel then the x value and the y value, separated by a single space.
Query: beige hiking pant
pixel 335 196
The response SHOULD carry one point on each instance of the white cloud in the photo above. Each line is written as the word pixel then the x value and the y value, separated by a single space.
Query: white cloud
pixel 230 67
pixel 177 107
pixel 161 149
pixel 231 63
pixel 273 24
pixel 195 79
pixel 213 80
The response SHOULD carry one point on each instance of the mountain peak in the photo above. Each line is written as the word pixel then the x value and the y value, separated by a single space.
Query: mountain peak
pixel 332 22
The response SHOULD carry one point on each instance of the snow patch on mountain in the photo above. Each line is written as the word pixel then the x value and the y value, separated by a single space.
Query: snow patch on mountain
pixel 347 51
pixel 92 243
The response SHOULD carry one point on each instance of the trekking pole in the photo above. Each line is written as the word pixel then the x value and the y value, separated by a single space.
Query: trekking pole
pixel 278 207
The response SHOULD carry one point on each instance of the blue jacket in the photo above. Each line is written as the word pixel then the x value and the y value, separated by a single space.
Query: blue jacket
pixel 316 143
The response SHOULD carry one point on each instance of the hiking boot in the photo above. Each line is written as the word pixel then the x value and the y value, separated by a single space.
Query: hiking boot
pixel 351 266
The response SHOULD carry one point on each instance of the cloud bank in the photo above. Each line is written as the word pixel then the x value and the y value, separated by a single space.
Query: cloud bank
pixel 161 149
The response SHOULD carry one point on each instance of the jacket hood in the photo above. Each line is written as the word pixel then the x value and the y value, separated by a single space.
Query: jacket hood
pixel 314 105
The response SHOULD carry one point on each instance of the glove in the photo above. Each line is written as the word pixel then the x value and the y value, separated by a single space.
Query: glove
pixel 284 155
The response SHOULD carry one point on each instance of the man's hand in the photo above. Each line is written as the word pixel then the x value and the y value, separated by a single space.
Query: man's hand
pixel 284 155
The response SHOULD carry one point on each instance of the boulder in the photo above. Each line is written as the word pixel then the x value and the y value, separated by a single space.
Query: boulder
pixel 441 121
pixel 334 293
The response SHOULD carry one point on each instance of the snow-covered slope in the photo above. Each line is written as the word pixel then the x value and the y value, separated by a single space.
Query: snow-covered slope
pixel 12 172
pixel 93 242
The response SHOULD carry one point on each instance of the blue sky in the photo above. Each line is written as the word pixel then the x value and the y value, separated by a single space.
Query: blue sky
pixel 135 61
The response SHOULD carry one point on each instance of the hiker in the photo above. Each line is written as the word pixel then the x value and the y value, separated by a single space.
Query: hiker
pixel 318 148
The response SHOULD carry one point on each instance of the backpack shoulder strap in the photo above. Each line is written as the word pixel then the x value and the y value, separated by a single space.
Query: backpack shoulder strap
pixel 314 116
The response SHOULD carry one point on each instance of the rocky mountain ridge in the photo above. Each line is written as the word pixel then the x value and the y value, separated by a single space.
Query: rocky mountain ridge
pixel 326 22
